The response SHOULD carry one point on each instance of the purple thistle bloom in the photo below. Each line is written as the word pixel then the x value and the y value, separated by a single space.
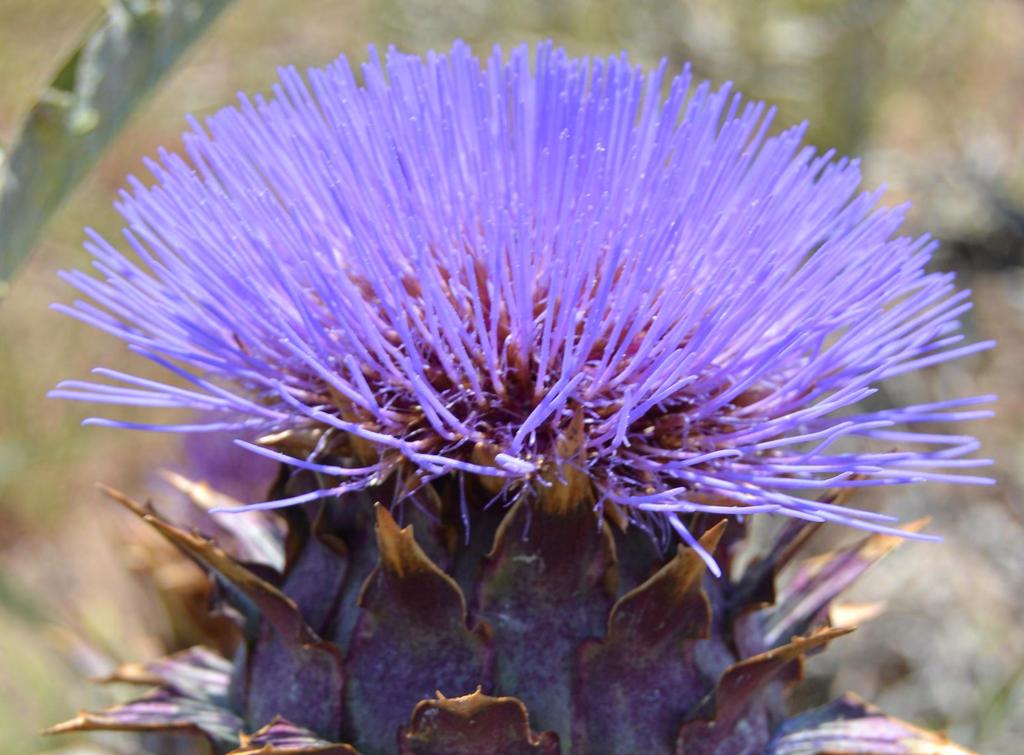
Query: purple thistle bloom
pixel 459 265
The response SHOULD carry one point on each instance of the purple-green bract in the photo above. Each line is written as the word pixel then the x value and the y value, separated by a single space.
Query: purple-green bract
pixel 456 261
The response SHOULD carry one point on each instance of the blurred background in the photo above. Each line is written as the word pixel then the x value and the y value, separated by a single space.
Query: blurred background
pixel 929 92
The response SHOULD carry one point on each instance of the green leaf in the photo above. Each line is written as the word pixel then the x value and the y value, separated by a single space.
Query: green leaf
pixel 92 96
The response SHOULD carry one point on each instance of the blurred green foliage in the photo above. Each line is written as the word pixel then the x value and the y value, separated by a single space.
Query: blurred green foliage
pixel 96 90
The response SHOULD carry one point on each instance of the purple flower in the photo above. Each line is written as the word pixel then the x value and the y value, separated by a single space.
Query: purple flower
pixel 463 265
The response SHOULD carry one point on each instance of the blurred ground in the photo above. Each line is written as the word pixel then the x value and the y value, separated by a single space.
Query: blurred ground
pixel 930 92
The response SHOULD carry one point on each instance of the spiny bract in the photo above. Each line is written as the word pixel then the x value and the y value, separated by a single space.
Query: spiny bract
pixel 546 317
pixel 529 630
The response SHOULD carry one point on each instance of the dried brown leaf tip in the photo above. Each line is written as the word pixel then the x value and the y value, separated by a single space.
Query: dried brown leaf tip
pixel 851 725
pixel 803 604
pixel 289 671
pixel 648 658
pixel 410 640
pixel 272 604
pixel 742 712
pixel 472 725
pixel 197 672
pixel 565 484
pixel 162 710
pixel 281 737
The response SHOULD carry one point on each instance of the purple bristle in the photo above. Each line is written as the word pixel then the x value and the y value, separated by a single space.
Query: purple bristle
pixel 452 256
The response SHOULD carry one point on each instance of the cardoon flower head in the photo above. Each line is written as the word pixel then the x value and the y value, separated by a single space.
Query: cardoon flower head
pixel 531 274
pixel 600 296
